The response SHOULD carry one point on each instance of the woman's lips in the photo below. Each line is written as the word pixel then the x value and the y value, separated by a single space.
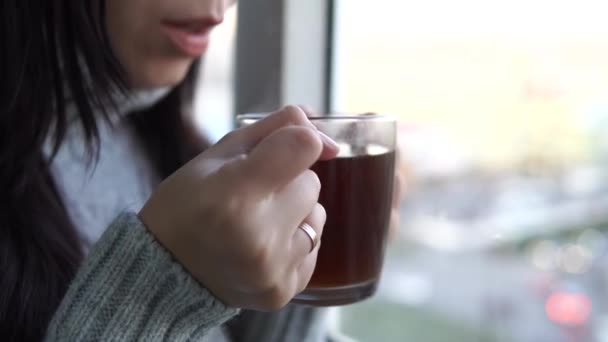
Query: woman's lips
pixel 191 36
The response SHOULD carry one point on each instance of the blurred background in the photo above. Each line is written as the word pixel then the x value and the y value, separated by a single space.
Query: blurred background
pixel 503 109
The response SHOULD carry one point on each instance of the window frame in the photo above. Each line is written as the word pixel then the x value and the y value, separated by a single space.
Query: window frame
pixel 284 54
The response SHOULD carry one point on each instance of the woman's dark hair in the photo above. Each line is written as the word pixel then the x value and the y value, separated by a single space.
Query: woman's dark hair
pixel 52 50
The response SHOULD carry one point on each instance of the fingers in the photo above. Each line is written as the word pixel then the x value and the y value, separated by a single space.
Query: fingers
pixel 305 270
pixel 299 198
pixel 309 111
pixel 243 140
pixel 332 150
pixel 286 116
pixel 301 242
pixel 278 147
pixel 330 147
pixel 307 257
pixel 283 156
pixel 285 283
pixel 246 138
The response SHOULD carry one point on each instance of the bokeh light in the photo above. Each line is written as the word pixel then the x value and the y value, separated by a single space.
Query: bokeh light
pixel 571 309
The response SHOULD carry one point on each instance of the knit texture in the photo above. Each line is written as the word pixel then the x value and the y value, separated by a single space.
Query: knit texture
pixel 130 289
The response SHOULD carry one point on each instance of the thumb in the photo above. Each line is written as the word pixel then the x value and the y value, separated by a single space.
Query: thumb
pixel 243 140
pixel 251 135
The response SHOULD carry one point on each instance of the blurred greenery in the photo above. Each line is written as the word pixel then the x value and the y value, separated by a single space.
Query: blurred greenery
pixel 377 320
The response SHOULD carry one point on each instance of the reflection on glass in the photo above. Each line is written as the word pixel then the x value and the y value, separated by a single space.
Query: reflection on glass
pixel 504 121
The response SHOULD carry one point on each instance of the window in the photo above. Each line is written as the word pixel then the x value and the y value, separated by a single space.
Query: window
pixel 503 109
pixel 215 100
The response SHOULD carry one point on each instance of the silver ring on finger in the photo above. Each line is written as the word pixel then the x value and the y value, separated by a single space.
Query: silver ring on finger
pixel 312 234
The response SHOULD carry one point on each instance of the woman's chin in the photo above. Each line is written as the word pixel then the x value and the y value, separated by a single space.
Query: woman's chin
pixel 160 75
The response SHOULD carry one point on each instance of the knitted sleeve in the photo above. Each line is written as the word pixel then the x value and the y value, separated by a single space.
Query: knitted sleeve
pixel 130 288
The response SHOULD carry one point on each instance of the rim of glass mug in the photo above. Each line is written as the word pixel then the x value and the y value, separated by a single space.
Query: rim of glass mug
pixel 249 118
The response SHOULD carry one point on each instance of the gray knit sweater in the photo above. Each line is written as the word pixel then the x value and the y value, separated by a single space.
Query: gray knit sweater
pixel 129 288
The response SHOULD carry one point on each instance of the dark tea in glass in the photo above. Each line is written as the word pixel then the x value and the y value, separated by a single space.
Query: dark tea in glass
pixel 354 196
pixel 356 192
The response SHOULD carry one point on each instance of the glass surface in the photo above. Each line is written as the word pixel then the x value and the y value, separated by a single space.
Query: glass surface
pixel 503 109
pixel 356 192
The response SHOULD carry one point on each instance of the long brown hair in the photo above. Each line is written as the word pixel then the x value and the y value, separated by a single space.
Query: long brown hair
pixel 49 49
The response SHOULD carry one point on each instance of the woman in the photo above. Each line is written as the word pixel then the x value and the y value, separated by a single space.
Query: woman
pixel 93 116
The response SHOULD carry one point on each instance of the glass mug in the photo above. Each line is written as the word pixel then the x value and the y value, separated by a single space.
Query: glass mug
pixel 356 192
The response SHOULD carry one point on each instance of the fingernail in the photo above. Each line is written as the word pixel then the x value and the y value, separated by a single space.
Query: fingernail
pixel 328 141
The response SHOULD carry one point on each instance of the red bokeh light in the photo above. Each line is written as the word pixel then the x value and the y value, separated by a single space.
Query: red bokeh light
pixel 572 309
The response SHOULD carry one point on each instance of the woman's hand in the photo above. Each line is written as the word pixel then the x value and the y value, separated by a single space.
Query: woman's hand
pixel 231 215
